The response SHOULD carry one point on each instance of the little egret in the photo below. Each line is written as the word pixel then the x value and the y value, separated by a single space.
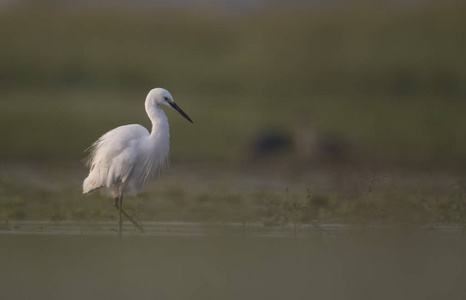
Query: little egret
pixel 123 160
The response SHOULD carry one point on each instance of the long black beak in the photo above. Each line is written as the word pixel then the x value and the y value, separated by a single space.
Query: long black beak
pixel 177 108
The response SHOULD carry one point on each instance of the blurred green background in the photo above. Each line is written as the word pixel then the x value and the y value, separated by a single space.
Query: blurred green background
pixel 319 93
pixel 390 78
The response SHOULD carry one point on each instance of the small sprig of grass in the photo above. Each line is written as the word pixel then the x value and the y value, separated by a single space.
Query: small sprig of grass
pixel 368 199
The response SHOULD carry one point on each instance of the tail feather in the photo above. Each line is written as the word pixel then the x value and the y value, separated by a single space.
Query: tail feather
pixel 91 183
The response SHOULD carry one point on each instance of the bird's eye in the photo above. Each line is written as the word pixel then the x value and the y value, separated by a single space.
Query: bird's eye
pixel 166 98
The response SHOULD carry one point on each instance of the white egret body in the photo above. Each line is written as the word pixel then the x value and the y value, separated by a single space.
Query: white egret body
pixel 123 160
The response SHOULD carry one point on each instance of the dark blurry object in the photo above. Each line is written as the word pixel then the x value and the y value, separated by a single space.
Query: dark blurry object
pixel 268 142
pixel 307 144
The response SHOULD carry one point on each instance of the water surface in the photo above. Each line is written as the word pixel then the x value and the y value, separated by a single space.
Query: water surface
pixel 351 264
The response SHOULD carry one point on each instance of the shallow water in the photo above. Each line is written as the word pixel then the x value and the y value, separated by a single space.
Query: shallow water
pixel 214 263
pixel 210 229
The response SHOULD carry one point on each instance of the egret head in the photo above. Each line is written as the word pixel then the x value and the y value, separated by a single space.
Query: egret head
pixel 159 96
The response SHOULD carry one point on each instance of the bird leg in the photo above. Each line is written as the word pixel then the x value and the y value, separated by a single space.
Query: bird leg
pixel 120 219
pixel 118 203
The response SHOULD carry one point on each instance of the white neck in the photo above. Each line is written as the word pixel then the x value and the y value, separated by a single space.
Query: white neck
pixel 159 121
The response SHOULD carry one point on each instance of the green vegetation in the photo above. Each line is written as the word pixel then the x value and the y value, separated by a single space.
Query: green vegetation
pixel 218 196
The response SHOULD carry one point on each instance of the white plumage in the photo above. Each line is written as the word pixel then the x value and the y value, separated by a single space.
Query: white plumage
pixel 124 159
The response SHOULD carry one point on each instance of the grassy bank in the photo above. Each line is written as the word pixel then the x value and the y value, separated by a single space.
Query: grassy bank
pixel 213 194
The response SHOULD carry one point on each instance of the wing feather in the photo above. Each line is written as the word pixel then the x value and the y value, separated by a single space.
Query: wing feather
pixel 113 156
